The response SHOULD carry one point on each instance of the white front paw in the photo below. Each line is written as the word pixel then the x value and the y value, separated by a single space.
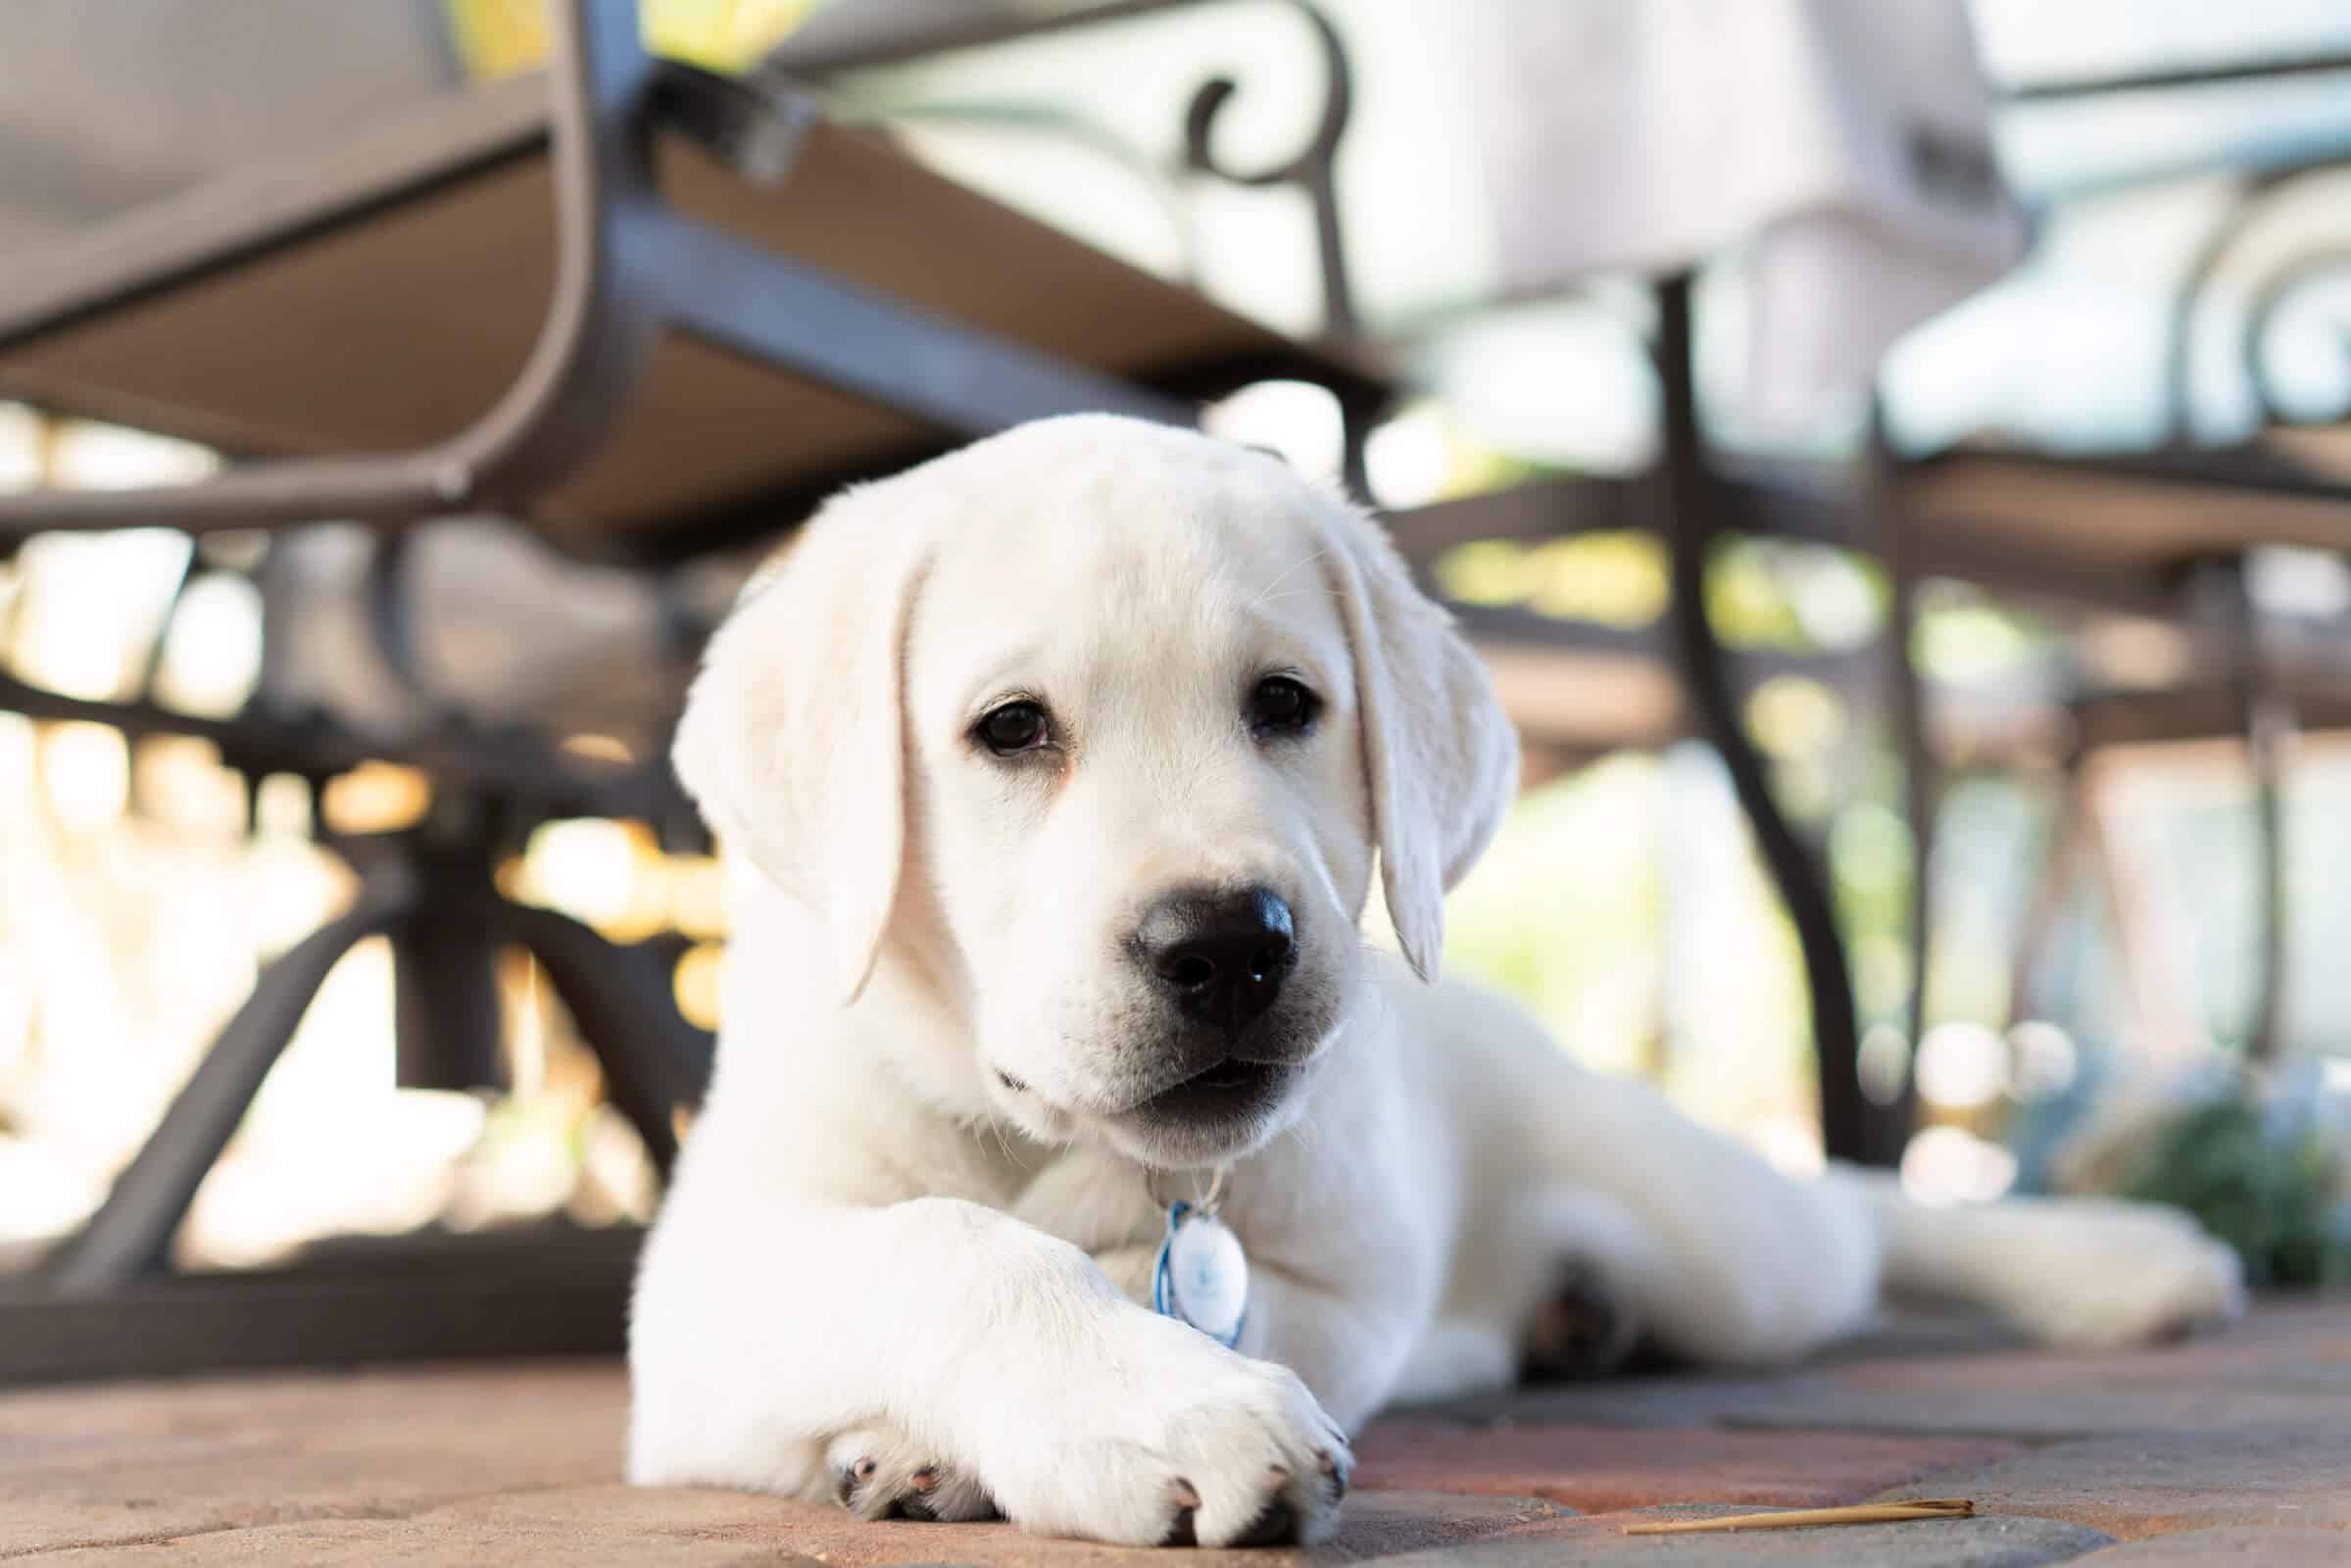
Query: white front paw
pixel 1182 1442
pixel 880 1473
pixel 2098 1274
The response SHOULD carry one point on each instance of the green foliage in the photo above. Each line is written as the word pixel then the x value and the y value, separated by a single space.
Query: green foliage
pixel 2272 1199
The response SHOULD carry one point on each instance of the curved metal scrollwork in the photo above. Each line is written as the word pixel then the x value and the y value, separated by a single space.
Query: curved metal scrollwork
pixel 1313 169
pixel 2272 291
pixel 2272 295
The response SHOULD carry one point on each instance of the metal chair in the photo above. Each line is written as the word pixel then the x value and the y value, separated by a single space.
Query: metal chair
pixel 739 307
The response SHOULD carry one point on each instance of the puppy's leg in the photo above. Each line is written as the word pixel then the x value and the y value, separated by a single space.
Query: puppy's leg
pixel 1697 1242
pixel 1723 1258
pixel 1458 1357
pixel 1581 1328
pixel 880 1473
pixel 1338 1310
pixel 996 1351
pixel 2072 1271
pixel 1733 1261
pixel 1527 1260
pixel 1345 1343
pixel 1349 1344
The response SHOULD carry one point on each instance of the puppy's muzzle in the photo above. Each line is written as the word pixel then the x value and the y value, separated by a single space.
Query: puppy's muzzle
pixel 1219 958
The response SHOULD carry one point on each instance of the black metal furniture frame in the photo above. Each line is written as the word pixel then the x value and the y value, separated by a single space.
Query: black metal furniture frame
pixel 1878 513
pixel 105 1303
pixel 631 268
pixel 2253 700
pixel 628 268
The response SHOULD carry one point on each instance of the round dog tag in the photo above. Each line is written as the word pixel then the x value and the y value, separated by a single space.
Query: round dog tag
pixel 1203 1277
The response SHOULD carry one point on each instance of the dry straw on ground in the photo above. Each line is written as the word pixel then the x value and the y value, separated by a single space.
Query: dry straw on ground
pixel 1866 1513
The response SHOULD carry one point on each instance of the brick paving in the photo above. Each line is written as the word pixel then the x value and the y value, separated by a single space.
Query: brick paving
pixel 2234 1448
pixel 1604 1469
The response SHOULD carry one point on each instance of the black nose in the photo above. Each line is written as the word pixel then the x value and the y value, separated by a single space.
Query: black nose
pixel 1221 957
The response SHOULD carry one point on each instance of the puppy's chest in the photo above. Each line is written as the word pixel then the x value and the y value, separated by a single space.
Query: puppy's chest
pixel 1095 1203
pixel 1109 1208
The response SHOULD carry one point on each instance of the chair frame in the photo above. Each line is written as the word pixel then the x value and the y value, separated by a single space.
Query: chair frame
pixel 630 268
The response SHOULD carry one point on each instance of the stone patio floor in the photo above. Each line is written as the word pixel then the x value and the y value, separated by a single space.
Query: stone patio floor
pixel 2233 1448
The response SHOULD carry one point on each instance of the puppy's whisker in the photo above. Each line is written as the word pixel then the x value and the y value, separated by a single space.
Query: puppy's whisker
pixel 1285 575
pixel 1013 1153
pixel 1295 593
pixel 996 1125
pixel 1265 595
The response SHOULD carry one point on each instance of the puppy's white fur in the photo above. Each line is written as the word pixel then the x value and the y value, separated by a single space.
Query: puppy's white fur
pixel 903 1255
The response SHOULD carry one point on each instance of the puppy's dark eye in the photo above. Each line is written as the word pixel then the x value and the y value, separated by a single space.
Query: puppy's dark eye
pixel 1013 727
pixel 1280 705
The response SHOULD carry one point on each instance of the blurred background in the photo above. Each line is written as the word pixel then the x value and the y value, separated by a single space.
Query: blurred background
pixel 2165 275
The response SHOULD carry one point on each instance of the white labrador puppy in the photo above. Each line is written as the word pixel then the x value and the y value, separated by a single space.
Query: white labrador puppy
pixel 1055 773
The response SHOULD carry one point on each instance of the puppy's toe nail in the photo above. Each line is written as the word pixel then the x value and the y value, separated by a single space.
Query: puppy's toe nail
pixel 1185 1494
pixel 923 1480
pixel 863 1469
pixel 1276 1526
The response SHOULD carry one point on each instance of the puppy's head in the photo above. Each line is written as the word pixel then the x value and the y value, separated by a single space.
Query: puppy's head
pixel 1106 723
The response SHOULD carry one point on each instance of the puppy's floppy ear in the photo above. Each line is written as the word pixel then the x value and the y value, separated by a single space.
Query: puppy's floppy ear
pixel 1441 754
pixel 792 738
